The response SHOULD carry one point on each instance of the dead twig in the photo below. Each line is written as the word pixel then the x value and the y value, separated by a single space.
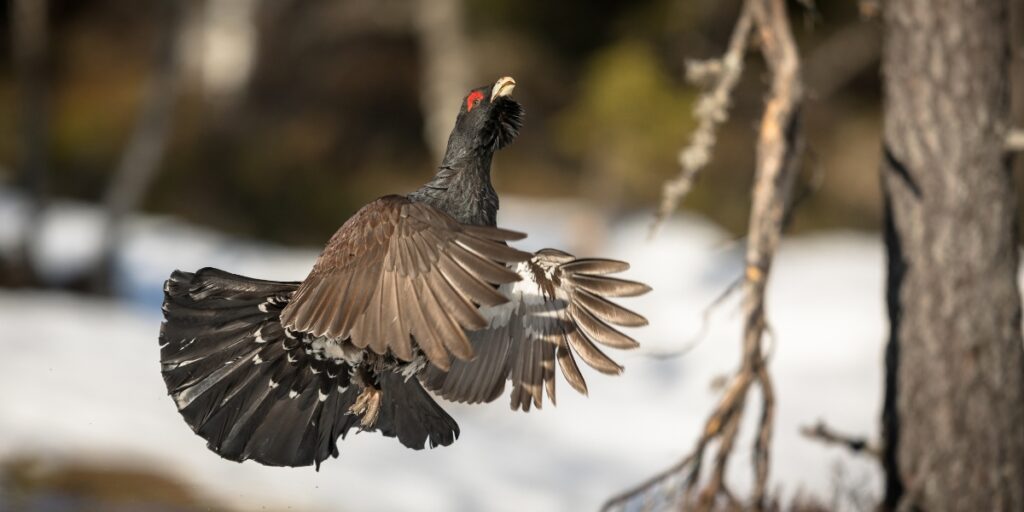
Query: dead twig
pixel 779 148
pixel 822 432
pixel 625 496
pixel 711 110
pixel 705 323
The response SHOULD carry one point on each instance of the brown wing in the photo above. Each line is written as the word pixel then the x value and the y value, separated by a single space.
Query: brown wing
pixel 400 273
pixel 559 310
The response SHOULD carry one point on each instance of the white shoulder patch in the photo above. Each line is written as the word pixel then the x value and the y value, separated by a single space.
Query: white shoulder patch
pixel 526 291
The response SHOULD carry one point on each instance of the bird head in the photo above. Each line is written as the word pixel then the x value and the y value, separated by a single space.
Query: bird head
pixel 488 120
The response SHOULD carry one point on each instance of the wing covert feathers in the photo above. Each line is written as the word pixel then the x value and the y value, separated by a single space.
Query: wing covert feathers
pixel 400 273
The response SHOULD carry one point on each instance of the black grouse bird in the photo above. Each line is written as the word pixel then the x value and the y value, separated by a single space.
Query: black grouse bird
pixel 277 371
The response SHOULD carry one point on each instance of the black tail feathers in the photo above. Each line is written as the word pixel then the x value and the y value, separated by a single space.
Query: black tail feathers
pixel 412 415
pixel 254 390
pixel 240 381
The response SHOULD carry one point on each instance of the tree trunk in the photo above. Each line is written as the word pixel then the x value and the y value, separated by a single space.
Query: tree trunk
pixel 29 41
pixel 953 419
pixel 140 161
pixel 445 56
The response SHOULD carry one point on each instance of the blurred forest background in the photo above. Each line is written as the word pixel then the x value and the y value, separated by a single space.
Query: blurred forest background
pixel 276 119
pixel 288 115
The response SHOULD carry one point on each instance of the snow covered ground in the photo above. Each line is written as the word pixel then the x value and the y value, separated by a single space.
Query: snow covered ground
pixel 80 376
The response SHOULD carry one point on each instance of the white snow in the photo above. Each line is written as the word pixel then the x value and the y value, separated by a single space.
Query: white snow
pixel 81 375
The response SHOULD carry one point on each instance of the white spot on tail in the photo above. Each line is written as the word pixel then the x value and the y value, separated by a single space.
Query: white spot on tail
pixel 259 336
pixel 321 396
pixel 292 393
pixel 272 384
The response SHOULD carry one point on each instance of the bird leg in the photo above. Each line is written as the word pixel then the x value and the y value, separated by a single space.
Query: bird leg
pixel 368 402
pixel 368 405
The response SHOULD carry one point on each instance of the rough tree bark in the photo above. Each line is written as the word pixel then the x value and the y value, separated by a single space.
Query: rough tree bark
pixel 953 418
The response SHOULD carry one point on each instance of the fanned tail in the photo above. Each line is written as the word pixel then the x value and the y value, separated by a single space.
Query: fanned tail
pixel 256 391
pixel 240 381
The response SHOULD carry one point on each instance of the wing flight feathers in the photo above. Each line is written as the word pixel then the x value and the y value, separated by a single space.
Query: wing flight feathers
pixel 557 311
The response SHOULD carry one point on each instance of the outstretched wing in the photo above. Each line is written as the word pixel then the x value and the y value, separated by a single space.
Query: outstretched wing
pixel 557 311
pixel 400 273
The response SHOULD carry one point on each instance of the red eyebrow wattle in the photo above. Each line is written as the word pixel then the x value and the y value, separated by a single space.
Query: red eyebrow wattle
pixel 472 99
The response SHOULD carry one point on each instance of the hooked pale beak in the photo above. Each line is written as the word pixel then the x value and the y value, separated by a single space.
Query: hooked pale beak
pixel 503 87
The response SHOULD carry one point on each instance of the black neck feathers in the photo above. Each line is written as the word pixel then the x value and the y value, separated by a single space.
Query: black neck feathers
pixel 462 188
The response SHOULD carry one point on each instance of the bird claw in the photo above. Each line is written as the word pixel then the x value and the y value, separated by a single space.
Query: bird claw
pixel 367 404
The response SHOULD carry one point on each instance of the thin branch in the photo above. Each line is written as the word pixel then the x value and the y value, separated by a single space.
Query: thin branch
pixel 622 498
pixel 822 432
pixel 762 445
pixel 711 110
pixel 705 323
pixel 779 148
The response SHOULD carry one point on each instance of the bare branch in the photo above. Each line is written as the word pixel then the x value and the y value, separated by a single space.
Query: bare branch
pixel 779 148
pixel 711 110
pixel 778 151
pixel 705 323
pixel 822 432
pixel 762 445
pixel 619 500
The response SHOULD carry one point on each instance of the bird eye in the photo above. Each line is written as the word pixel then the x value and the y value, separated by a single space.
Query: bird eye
pixel 473 99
